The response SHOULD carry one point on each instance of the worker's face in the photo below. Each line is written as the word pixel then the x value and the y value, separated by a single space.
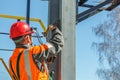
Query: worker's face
pixel 28 39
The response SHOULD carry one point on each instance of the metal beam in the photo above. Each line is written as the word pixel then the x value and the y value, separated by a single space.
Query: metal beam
pixel 81 2
pixel 87 5
pixel 89 15
pixel 114 4
pixel 91 10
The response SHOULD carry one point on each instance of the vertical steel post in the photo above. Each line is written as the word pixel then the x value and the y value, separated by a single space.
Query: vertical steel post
pixel 53 16
pixel 65 11
pixel 54 11
pixel 68 18
pixel 28 12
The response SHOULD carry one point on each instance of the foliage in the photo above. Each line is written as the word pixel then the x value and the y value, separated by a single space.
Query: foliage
pixel 109 47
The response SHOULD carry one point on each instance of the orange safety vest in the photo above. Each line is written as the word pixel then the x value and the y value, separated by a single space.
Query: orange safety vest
pixel 17 64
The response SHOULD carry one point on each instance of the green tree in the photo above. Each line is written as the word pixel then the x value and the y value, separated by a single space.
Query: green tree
pixel 109 46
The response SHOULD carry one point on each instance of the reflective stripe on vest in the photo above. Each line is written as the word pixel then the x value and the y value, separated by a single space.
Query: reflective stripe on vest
pixel 27 64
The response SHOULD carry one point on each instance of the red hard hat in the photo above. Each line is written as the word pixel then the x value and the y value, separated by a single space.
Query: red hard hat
pixel 20 29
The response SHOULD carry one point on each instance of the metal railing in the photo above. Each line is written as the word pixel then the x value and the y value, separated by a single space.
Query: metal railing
pixel 24 18
pixel 6 68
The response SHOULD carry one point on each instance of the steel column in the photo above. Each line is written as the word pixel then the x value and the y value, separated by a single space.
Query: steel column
pixel 53 17
pixel 65 11
pixel 68 20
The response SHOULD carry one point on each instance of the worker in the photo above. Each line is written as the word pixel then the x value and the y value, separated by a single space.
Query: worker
pixel 30 62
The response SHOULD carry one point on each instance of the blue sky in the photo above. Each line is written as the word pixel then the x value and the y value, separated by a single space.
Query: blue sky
pixel 86 56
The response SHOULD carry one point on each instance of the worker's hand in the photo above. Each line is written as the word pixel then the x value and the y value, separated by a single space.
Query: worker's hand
pixel 50 28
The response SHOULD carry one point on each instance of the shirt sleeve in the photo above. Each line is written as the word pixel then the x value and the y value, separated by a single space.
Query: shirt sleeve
pixel 50 49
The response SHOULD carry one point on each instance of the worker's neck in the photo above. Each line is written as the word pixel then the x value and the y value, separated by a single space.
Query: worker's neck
pixel 23 46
